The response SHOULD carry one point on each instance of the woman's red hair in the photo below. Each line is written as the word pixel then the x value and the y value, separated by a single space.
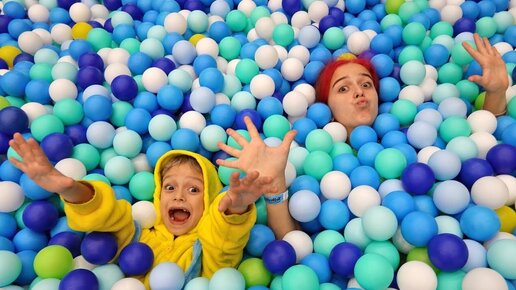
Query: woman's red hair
pixel 322 85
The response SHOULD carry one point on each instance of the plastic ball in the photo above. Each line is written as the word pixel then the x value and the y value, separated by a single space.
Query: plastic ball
pixel 199 283
pixel 379 223
pixel 418 228
pixel 335 185
pixel 498 257
pixel 57 146
pixel 451 197
pixel 447 252
pixel 69 240
pixel 136 259
pixel 259 238
pixel 14 120
pixel 227 278
pixel 79 279
pixel 480 278
pixel 301 243
pixel 489 191
pixel 99 248
pixel 445 164
pixel 53 261
pixel 40 216
pixel 10 267
pixel 299 277
pixel 361 198
pixel 417 178
pixel 278 256
pixel 304 205
pixel 254 272
pixel 128 284
pixel 416 274
pixel 373 271
pixel 479 223
pixel 12 201
pixel 502 158
pixel 167 276
pixel 124 88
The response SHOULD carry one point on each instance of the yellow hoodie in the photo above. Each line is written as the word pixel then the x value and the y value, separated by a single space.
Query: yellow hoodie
pixel 222 237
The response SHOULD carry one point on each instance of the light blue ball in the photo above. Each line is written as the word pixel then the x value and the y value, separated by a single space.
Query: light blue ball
pixel 167 276
pixel 46 284
pixel 100 134
pixel 477 255
pixel 429 116
pixel 304 205
pixel 444 91
pixel 448 224
pixel 127 143
pixel 334 214
pixel 119 170
pixel 451 197
pixel 107 275
pixel 220 8
pixel 309 36
pixel 421 134
pixel 227 279
pixel 199 283
pixel 10 267
pixel 445 164
pixel 452 107
pixel 202 99
pixel 184 52
pixel 161 127
pixel 388 186
pixel 243 100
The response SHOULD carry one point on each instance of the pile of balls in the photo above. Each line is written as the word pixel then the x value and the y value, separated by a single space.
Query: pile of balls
pixel 422 199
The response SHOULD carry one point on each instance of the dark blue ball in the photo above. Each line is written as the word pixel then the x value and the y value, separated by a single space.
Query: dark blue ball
pixel 4 143
pixel 99 247
pixel 291 6
pixel 447 252
pixel 124 88
pixel 278 256
pixel 70 240
pixel 40 216
pixel 464 25
pixel 417 178
pixel 112 4
pixel 12 120
pixel 253 114
pixel 136 259
pixel 473 169
pixel 79 279
pixel 65 4
pixel 343 258
pixel 327 22
pixel 502 158
pixel 77 133
pixel 165 64
pixel 91 59
pixel 88 76
pixel 133 10
pixel 57 146
pixel 23 57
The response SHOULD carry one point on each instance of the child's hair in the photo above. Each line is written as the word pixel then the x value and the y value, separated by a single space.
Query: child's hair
pixel 179 160
pixel 322 85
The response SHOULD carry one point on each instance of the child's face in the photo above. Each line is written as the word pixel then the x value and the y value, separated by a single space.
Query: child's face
pixel 182 198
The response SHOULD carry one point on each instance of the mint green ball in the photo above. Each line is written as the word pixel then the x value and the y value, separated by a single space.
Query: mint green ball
pixel 276 283
pixel 45 125
pixel 379 223
pixel 319 139
pixel 299 277
pixel 460 56
pixel 197 21
pixel 229 47
pixel 444 91
pixel 422 4
pixel 450 280
pixel 468 90
pixel 211 135
pixel 46 55
pixel 317 164
pixel 232 85
pixel 233 143
pixel 119 170
pixel 454 126
pixel 131 45
pixel 486 26
pixel 15 101
pixel 261 211
pixel 10 267
pixel 441 28
pixel 64 70
pixel 97 177
pixel 107 275
pixel 45 284
pixel 246 69
pixel 511 108
pixel 127 143
pixel 297 157
pixel 464 147
pixel 19 215
pixel 69 111
pixel 444 40
pixel 340 148
pixel 405 111
pixel 181 79
pixel 410 52
pixel 41 71
pixel 354 233
pixel 283 34
pixel 333 38
pixel 329 286
pixel 374 272
pixel 142 185
pixel 326 240
pixel 390 163
pixel 427 41
pixel 157 32
pixel 449 73
pixel 276 126
pixel 243 100
pixel 121 17
pixel 406 10
pixel 390 20
pixel 225 172
pixel 153 48
pixel 413 33
pixel 500 257
pixel 259 12
pixel 412 72
pixel 385 249
pixel 87 154
pixel 120 111
pixel 504 20
pixel 236 20
pixel 99 38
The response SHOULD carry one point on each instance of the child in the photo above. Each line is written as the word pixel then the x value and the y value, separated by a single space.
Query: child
pixel 196 227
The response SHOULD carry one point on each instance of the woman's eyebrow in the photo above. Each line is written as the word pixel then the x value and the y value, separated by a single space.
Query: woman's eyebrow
pixel 344 77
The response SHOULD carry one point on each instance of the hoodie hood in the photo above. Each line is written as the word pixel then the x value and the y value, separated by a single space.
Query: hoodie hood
pixel 212 184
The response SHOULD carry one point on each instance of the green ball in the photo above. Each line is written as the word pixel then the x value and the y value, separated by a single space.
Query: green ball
pixel 120 111
pixel 454 126
pixel 390 20
pixel 427 41
pixel 319 139
pixel 329 286
pixel 232 85
pixel 405 111
pixel 317 164
pixel 119 170
pixel 441 28
pixel 261 211
pixel 10 267
pixel 390 163
pixel 450 280
pixel 53 261
pixel 211 135
pixel 340 148
pixel 410 52
pixel 69 111
pixel 333 38
pixel 276 126
pixel 326 240
pixel 283 34
pixel 511 107
pixel 246 69
pixel 379 223
pixel 393 6
pixel 504 20
pixel 105 155
pixel 421 255
pixel 87 154
pixel 233 143
pixel 131 45
pixel 500 257
pixel 450 73
pixel 255 273
pixel 406 11
pixel 15 101
pixel 142 185
pixel 99 38
pixel 468 90
pixel 460 56
pixel 45 125
pixel 225 172
pixel 354 233
pixel 41 71
pixel 385 249
pixel 300 277
pixel 413 33
pixel 257 13
pixel 229 47
pixel 97 177
pixel 373 272
pixel 297 157
pixel 127 143
pixel 486 27
pixel 236 20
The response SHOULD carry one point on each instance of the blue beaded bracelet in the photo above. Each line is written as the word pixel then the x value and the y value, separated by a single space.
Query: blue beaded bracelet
pixel 277 198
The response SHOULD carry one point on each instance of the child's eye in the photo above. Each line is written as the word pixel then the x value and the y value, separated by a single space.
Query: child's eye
pixel 168 187
pixel 193 189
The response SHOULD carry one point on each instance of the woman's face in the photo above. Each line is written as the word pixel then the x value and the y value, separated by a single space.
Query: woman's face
pixel 352 97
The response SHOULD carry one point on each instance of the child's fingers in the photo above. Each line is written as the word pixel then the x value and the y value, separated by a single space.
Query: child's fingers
pixel 470 50
pixel 229 150
pixel 250 178
pixel 287 140
pixel 18 164
pixel 251 128
pixel 225 203
pixel 228 163
pixel 238 138
pixel 479 43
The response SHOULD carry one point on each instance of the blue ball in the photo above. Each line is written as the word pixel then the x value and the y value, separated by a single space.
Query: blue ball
pixel 223 115
pixel 389 89
pixel 346 163
pixel 27 274
pixel 436 55
pixel 417 178
pixel 79 279
pixel 122 32
pixel 400 202
pixel 99 247
pixel 124 88
pixel 6 244
pixel 367 153
pixel 91 59
pixel 260 236
pixel 80 47
pixel 486 8
pixel 473 169
pixel 138 120
pixel 27 239
pixel 408 151
pixel 509 134
pixel 57 146
pixel 307 182
pixel 218 30
pixel 381 43
pixel 510 35
pixel 303 126
pixel 319 113
pixel 37 91
pixel 479 223
pixel 33 190
pixel 365 175
pixel 203 62
pixel 139 62
pixel 185 139
pixel 502 158
pixel 70 240
pixel 146 100
pixel 8 227
pixel 88 76
pixel 98 108
pixel 278 256
pixel 312 71
pixel 470 9
pixel 447 252
pixel 170 97
pixel 418 228
pixel 255 118
pixel 343 258
pixel 383 65
pixel 13 83
pixel 334 214
pixel 269 106
pixel 9 172
pixel 362 135
pixel 320 264
pixel 14 10
pixel 12 120
pixel 385 123
pixel 213 79
pixel 425 203
pixel 40 216
pixel 136 259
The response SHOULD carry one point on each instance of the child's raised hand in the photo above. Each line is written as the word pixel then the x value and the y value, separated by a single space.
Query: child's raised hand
pixel 244 192
pixel 36 165
pixel 255 155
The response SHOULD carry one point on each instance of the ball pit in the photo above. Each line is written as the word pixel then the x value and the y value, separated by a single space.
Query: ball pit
pixel 108 88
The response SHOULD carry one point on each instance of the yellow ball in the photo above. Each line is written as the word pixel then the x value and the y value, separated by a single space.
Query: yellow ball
pixel 347 55
pixel 507 218
pixel 8 53
pixel 4 102
pixel 80 30
pixel 195 38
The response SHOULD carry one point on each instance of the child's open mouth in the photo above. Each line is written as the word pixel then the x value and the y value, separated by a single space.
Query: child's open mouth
pixel 178 215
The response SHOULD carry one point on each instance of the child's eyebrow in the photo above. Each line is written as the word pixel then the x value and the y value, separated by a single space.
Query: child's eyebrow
pixel 187 177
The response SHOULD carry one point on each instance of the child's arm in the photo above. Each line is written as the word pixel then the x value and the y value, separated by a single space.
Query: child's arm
pixel 37 167
pixel 255 155
pixel 494 78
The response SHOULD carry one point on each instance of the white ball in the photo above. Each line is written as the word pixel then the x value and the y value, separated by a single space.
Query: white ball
pixel 290 173
pixel 231 67
pixel 61 89
pixel 301 242
pixel 358 42
pixel 80 263
pixel 361 198
pixel 38 13
pixel 61 32
pixel 412 93
pixel 484 141
pixel 483 278
pixel 279 18
pixel 128 284
pixel 71 167
pixel 431 72
pixel 300 19
pixel 12 196
pixel 144 213
pixel 221 98
pixel 304 205
pixel 416 275
pixel 192 120
pixel 118 55
pixel 437 4
pixel 34 110
pixel 292 69
pixel 222 64
pixel 262 86
pixel 401 244
pixel 153 79
pixel 335 185
pixel 175 22
pixel 490 191
pixel 246 6
pixel 264 27
pixel 451 13
pixel 117 69
pixel 424 154
pixel 99 11
pixel 510 182
pixel 274 5
pixel 79 12
pixel 503 47
pixel 300 52
pixel 266 56
pixel 317 10
pixel 482 121
pixel 45 35
pixel 307 90
pixel 104 54
pixel 141 163
pixel 370 33
pixel 207 46
pixel 30 42
pixel 295 104
pixel 337 131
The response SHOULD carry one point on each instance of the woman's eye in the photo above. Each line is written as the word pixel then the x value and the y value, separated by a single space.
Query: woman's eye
pixel 367 85
pixel 343 89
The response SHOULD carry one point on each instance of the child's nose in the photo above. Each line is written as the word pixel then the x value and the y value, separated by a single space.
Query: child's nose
pixel 179 195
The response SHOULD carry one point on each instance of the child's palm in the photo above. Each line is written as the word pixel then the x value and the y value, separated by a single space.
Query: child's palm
pixel 245 191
